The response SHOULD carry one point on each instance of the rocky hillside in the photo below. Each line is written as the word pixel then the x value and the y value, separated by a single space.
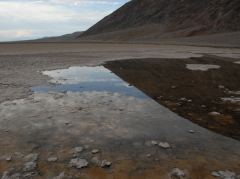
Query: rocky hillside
pixel 168 18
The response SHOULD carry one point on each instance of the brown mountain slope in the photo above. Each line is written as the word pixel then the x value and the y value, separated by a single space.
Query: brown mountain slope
pixel 168 18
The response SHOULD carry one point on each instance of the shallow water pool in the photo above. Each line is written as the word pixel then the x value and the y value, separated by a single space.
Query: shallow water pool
pixel 82 79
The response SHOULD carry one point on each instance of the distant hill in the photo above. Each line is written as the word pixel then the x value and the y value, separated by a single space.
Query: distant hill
pixel 157 19
pixel 63 38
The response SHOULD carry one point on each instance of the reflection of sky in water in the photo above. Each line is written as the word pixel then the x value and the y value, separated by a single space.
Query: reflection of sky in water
pixel 80 79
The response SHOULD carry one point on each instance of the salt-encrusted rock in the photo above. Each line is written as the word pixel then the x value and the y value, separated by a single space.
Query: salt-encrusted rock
pixel 148 155
pixel 191 131
pixel 95 151
pixel 78 149
pixel 164 145
pixel 78 163
pixel 52 159
pixel 177 173
pixel 225 174
pixel 60 176
pixel 214 113
pixel 105 164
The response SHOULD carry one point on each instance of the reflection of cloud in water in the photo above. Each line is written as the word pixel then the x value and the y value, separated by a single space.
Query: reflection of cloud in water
pixel 75 75
pixel 82 79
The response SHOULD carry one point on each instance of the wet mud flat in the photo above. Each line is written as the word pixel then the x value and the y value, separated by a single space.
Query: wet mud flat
pixel 93 122
pixel 205 90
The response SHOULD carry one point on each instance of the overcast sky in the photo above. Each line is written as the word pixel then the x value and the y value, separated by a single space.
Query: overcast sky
pixel 29 19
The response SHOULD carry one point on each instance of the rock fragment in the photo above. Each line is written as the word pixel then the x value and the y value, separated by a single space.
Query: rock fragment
pixel 60 176
pixel 95 151
pixel 214 113
pixel 52 159
pixel 78 149
pixel 105 164
pixel 177 173
pixel 183 99
pixel 164 145
pixel 78 163
pixel 8 158
pixel 225 174
pixel 191 131
pixel 148 155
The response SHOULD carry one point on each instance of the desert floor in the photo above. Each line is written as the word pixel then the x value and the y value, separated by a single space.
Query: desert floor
pixel 45 134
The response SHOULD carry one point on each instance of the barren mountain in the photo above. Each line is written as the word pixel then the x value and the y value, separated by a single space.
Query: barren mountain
pixel 151 19
pixel 62 38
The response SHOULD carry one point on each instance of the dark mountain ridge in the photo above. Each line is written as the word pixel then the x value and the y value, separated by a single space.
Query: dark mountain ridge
pixel 168 18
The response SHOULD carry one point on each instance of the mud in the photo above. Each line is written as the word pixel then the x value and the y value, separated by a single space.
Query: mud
pixel 193 94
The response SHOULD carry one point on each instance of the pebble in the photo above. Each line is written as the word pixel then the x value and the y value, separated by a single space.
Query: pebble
pixel 95 151
pixel 52 159
pixel 214 113
pixel 177 173
pixel 164 145
pixel 183 99
pixel 148 155
pixel 60 176
pixel 224 174
pixel 9 158
pixel 191 131
pixel 78 149
pixel 30 166
pixel 105 164
pixel 78 163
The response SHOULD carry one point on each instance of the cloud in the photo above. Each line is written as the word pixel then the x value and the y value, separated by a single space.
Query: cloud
pixel 24 19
